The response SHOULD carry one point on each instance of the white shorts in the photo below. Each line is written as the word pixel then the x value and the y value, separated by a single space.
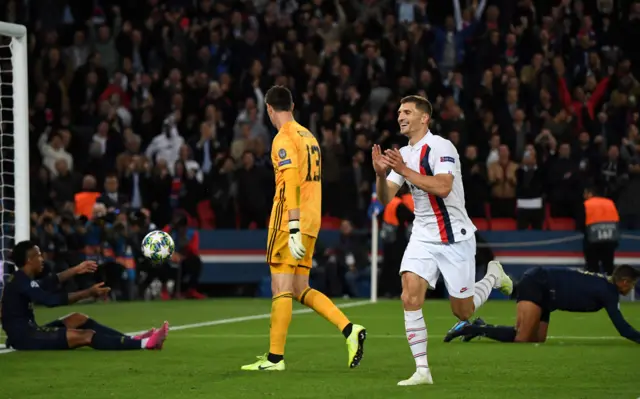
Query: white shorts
pixel 456 262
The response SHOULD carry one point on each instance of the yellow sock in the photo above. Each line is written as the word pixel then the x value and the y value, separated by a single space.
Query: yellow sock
pixel 281 308
pixel 320 303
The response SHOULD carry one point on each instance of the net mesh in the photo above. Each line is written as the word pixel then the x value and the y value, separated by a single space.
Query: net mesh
pixel 7 181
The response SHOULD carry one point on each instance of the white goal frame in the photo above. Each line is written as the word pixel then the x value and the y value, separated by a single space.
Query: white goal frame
pixel 19 46
pixel 20 129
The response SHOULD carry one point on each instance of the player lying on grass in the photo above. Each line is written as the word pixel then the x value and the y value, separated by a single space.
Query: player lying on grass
pixel 541 291
pixel 293 230
pixel 21 291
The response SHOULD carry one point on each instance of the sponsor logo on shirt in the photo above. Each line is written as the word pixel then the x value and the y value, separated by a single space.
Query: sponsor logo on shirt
pixel 285 162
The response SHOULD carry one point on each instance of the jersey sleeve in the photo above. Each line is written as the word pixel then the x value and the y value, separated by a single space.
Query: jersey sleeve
pixel 624 328
pixel 445 157
pixel 49 283
pixel 396 178
pixel 33 290
pixel 284 154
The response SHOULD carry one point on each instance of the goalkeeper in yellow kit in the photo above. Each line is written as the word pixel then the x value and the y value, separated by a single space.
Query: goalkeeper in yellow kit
pixel 293 230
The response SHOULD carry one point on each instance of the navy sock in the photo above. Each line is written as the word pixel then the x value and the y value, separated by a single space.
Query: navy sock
pixel 99 328
pixel 105 342
pixel 498 333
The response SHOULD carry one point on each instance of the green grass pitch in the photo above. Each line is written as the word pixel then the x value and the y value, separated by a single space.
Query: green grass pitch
pixel 584 358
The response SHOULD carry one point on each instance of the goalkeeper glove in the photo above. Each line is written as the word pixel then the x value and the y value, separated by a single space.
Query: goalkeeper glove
pixel 295 240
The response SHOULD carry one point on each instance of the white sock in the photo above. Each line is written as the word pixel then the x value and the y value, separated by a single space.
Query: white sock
pixel 416 330
pixel 483 289
pixel 143 342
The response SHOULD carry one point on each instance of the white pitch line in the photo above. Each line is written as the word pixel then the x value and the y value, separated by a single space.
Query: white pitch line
pixel 374 336
pixel 231 320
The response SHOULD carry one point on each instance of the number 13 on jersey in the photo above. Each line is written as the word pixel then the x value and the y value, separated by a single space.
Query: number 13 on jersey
pixel 313 163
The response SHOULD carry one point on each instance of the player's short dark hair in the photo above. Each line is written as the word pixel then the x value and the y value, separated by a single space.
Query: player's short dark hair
pixel 625 272
pixel 422 104
pixel 279 98
pixel 20 252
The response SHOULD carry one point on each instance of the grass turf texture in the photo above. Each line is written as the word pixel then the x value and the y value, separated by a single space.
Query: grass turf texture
pixel 585 358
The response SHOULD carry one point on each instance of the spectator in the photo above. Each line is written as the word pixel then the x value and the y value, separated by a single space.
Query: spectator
pixel 111 197
pixel 502 177
pixel 564 185
pixel 224 194
pixel 529 191
pixel 613 172
pixel 186 264
pixel 475 182
pixel 166 145
pixel 253 200
pixel 627 204
pixel 351 256
pixel 52 149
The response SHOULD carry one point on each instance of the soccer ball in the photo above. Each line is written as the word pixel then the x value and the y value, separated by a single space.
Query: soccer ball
pixel 157 246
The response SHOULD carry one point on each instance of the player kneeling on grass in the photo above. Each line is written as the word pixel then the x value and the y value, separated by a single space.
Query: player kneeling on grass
pixel 21 291
pixel 541 291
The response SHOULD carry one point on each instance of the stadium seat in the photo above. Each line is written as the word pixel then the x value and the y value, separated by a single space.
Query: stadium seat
pixel 557 223
pixel 503 224
pixel 206 215
pixel 561 224
pixel 330 223
pixel 481 223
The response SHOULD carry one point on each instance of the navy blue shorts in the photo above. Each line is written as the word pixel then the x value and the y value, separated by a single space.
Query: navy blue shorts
pixel 534 287
pixel 52 336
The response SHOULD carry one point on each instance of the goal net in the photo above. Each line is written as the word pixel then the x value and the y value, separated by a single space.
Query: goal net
pixel 14 145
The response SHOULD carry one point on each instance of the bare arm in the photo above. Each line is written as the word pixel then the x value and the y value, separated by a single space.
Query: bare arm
pixel 439 185
pixel 82 268
pixel 385 189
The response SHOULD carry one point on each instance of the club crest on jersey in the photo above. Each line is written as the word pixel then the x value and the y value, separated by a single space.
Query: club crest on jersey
pixel 447 159
pixel 282 153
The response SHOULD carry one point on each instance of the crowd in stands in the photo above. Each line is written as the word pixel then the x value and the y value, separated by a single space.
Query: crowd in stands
pixel 159 105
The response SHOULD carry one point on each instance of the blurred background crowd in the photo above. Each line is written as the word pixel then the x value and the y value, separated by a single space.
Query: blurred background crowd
pixel 155 109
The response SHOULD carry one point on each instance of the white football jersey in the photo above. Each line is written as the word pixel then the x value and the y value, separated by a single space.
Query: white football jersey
pixel 443 220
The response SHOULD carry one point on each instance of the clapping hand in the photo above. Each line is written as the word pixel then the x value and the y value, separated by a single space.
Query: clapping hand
pixel 393 159
pixel 379 165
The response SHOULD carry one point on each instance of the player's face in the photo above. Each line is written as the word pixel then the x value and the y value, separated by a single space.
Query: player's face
pixel 625 286
pixel 36 259
pixel 411 120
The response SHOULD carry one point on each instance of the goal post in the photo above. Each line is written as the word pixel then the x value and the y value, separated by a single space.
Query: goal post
pixel 18 127
pixel 14 143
